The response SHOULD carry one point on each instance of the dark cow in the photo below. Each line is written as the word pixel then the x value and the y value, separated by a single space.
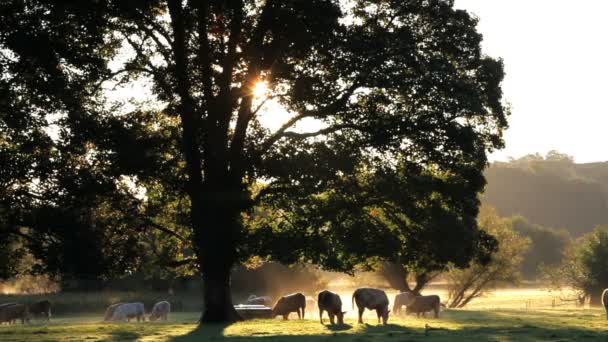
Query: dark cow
pixel 10 313
pixel 330 302
pixel 41 308
pixel 291 303
pixel 371 299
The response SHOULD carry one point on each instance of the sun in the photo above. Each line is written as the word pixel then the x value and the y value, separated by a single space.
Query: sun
pixel 260 90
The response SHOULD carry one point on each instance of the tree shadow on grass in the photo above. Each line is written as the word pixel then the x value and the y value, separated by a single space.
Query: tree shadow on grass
pixel 124 336
pixel 477 326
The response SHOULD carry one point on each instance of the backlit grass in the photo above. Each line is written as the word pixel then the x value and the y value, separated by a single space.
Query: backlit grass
pixel 485 322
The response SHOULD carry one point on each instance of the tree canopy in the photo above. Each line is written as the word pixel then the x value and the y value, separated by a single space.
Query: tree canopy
pixel 386 84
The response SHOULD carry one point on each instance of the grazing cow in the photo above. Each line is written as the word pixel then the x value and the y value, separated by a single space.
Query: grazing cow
pixel 371 299
pixel 10 313
pixel 605 301
pixel 295 302
pixel 41 308
pixel 420 304
pixel 110 311
pixel 160 311
pixel 330 302
pixel 417 304
pixel 255 300
pixel 127 311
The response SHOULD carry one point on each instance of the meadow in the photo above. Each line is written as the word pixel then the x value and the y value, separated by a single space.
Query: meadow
pixel 508 315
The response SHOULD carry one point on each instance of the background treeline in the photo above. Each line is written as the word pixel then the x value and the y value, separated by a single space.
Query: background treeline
pixel 551 191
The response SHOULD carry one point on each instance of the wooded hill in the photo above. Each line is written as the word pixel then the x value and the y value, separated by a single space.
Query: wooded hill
pixel 551 191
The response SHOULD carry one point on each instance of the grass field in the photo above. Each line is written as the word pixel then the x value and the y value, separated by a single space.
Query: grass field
pixel 519 315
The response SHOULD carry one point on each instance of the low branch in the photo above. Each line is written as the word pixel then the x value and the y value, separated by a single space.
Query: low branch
pixel 165 230
pixel 178 263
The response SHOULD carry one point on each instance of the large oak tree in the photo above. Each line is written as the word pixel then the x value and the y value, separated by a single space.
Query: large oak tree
pixel 382 80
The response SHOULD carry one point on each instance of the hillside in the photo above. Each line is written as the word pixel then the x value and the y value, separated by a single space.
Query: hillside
pixel 552 191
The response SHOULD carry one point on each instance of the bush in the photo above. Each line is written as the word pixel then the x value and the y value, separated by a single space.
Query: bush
pixel 584 266
pixel 467 284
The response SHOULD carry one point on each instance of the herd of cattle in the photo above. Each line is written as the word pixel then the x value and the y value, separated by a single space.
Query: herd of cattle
pixel 364 298
pixel 327 301
pixel 12 312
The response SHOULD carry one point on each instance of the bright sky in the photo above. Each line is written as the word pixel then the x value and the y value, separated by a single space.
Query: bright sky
pixel 556 59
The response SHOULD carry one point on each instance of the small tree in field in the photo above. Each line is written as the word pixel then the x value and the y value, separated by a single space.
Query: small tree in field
pixel 584 267
pixel 467 284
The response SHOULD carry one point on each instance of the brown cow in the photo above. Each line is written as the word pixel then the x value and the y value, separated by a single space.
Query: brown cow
pixel 371 299
pixel 41 308
pixel 417 304
pixel 295 302
pixel 9 313
pixel 330 302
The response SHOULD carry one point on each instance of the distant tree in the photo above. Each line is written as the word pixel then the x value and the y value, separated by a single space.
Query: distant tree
pixel 464 285
pixel 584 266
pixel 381 78
pixel 547 246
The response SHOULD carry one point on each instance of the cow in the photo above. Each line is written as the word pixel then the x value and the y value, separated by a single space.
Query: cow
pixel 126 311
pixel 605 301
pixel 417 304
pixel 255 300
pixel 6 305
pixel 160 311
pixel 41 308
pixel 110 311
pixel 10 313
pixel 371 299
pixel 330 302
pixel 295 302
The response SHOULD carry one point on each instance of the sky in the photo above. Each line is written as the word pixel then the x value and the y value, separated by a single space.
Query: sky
pixel 556 62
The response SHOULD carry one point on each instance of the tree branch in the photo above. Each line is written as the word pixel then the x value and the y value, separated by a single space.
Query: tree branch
pixel 164 229
pixel 331 108
pixel 203 52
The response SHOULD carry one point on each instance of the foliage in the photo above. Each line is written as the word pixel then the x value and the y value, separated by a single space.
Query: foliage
pixel 547 246
pixel 467 284
pixel 384 80
pixel 584 266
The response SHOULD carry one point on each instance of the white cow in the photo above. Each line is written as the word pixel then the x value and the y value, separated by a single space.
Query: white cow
pixel 160 311
pixel 126 311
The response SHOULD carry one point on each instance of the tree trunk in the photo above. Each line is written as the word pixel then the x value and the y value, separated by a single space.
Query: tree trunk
pixel 216 236
pixel 218 299
pixel 396 275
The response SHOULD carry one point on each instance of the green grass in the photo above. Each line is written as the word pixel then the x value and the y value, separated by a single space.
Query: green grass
pixel 508 315
pixel 453 325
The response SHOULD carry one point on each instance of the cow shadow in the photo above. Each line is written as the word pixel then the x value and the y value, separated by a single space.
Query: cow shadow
pixel 338 327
